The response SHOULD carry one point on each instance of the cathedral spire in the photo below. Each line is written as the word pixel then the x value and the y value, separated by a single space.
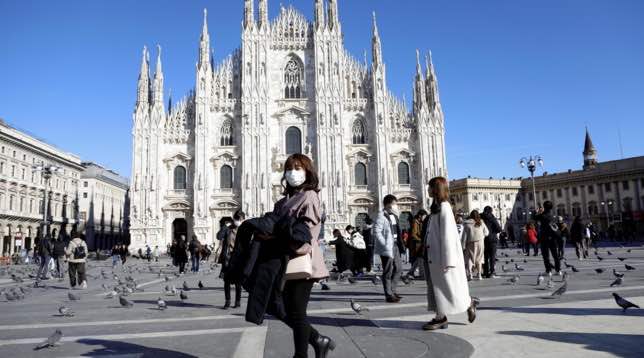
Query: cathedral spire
pixel 158 80
pixel 420 100
pixel 143 85
pixel 319 14
pixel 376 46
pixel 333 14
pixel 204 43
pixel 263 14
pixel 249 14
pixel 419 70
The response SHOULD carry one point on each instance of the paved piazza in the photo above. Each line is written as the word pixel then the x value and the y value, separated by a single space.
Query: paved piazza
pixel 514 320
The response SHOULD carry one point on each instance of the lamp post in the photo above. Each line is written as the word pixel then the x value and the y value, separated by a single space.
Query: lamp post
pixel 47 172
pixel 531 163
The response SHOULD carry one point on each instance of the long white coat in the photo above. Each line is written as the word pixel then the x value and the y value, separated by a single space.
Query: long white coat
pixel 451 292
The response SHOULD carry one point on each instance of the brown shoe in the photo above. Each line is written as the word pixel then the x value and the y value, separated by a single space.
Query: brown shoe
pixel 434 325
pixel 392 299
pixel 399 297
pixel 471 312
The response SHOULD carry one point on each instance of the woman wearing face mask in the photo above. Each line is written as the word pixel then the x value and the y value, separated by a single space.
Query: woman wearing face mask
pixel 444 253
pixel 227 247
pixel 300 182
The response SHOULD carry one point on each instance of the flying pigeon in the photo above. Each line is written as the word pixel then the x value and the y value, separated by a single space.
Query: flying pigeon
pixel 618 274
pixel 201 286
pixel 51 341
pixel 161 304
pixel 72 296
pixel 618 282
pixel 65 311
pixel 357 308
pixel 624 303
pixel 629 267
pixel 540 279
pixel 561 290
pixel 599 270
pixel 125 302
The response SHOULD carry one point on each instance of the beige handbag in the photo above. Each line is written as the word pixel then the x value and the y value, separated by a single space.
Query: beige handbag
pixel 300 267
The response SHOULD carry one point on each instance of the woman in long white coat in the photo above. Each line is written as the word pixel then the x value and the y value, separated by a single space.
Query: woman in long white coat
pixel 451 294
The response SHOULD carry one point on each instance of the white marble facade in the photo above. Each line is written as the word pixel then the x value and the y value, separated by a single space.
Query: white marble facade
pixel 290 87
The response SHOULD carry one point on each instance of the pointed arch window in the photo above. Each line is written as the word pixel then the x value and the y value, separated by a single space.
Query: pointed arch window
pixel 226 177
pixel 226 133
pixel 293 79
pixel 360 172
pixel 403 173
pixel 359 134
pixel 179 178
pixel 293 140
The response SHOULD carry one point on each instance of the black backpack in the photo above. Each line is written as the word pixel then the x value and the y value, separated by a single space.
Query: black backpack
pixel 79 252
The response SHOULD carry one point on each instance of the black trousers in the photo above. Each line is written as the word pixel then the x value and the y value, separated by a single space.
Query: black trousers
pixel 527 246
pixel 182 266
pixel 296 299
pixel 489 257
pixel 369 258
pixel 550 247
pixel 227 291
pixel 76 269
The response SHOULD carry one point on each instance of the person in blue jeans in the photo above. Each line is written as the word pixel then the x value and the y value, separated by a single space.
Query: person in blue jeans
pixel 195 251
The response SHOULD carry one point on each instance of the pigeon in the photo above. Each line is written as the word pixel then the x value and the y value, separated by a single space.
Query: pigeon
pixel 72 296
pixel 10 296
pixel 618 282
pixel 353 281
pixel 574 269
pixel 375 279
pixel 624 303
pixel 561 290
pixel 600 258
pixel 629 267
pixel 503 268
pixel 167 278
pixel 511 260
pixel 518 268
pixel 111 294
pixel 565 276
pixel 525 261
pixel 125 302
pixel 599 270
pixel 621 258
pixel 357 308
pixel 407 279
pixel 540 279
pixel 609 253
pixel 51 341
pixel 201 286
pixel 568 265
pixel 65 311
pixel 618 274
pixel 629 251
pixel 514 279
pixel 185 286
pixel 183 296
pixel 325 287
pixel 161 304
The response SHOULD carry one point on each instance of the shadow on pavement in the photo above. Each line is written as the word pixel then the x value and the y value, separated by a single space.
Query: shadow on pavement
pixel 569 311
pixel 620 345
pixel 112 348
pixel 175 304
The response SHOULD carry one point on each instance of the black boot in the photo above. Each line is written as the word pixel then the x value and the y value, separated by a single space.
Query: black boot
pixel 322 345
pixel 227 305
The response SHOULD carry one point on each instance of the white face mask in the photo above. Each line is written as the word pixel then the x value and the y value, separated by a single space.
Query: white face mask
pixel 394 209
pixel 238 223
pixel 295 178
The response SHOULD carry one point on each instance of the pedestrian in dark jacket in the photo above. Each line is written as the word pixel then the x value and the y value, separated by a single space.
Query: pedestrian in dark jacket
pixel 490 243
pixel 195 252
pixel 123 252
pixel 45 251
pixel 344 255
pixel 548 237
pixel 181 254
pixel 578 237
pixel 227 248
pixel 59 256
pixel 368 240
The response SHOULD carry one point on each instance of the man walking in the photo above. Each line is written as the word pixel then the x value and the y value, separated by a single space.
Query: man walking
pixel 490 242
pixel 388 244
pixel 369 243
pixel 59 256
pixel 195 251
pixel 549 235
pixel 77 256
pixel 45 250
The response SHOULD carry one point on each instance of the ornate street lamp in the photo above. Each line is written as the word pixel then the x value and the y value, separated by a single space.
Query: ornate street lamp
pixel 47 171
pixel 531 163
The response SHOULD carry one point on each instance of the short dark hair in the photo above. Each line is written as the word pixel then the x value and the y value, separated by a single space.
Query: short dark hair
pixel 547 205
pixel 348 228
pixel 368 220
pixel 421 212
pixel 336 231
pixel 487 209
pixel 389 198
pixel 239 215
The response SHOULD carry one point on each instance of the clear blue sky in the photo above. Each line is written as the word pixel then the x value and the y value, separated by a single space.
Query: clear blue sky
pixel 516 77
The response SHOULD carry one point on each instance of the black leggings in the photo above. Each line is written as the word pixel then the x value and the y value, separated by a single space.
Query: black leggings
pixel 237 291
pixel 296 298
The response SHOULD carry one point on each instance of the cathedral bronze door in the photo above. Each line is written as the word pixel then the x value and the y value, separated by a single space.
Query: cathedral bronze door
pixel 179 228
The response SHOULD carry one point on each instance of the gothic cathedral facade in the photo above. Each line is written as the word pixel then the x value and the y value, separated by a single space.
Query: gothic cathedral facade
pixel 291 87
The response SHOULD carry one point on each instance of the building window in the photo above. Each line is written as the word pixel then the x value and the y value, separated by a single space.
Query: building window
pixel 531 196
pixel 22 204
pixel 574 191
pixel 226 133
pixel 591 189
pixel 226 177
pixel 361 174
pixel 627 204
pixel 293 140
pixel 559 193
pixel 31 206
pixel 85 184
pixel 475 197
pixel 358 132
pixel 11 202
pixel 485 197
pixel 84 195
pixel 607 187
pixel 13 171
pixel 625 185
pixel 403 173
pixel 544 195
pixel 180 178
pixel 293 79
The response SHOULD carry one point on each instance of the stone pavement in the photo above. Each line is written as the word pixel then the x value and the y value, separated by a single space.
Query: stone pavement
pixel 514 320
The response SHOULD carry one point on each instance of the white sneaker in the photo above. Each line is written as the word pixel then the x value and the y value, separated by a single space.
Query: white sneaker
pixel 84 285
pixel 559 273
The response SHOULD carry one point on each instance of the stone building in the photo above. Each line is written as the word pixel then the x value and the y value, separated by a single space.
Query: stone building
pixel 475 194
pixel 291 87
pixel 22 189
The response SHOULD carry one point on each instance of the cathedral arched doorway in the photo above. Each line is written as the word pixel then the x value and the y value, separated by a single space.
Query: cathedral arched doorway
pixel 179 228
